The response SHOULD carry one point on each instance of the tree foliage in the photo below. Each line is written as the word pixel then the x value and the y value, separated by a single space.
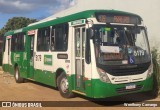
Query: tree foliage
pixel 155 54
pixel 12 24
pixel 16 23
pixel 156 68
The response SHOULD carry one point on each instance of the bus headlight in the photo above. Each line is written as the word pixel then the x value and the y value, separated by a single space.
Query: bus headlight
pixel 150 71
pixel 103 75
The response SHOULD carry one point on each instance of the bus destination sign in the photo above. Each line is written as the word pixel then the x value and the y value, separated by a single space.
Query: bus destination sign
pixel 114 18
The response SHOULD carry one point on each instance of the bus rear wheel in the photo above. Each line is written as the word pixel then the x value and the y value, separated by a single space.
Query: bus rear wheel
pixel 17 76
pixel 63 86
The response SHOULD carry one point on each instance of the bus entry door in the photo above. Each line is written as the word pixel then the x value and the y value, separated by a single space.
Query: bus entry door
pixel 31 61
pixel 80 58
pixel 8 54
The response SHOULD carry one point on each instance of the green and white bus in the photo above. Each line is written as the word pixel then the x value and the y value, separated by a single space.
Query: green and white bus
pixel 95 53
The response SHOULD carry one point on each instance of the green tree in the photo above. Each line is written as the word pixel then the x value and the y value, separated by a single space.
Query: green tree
pixel 156 71
pixel 16 23
pixel 12 24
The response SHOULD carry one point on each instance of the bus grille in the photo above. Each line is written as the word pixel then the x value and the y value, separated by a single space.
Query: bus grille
pixel 124 90
pixel 129 71
pixel 124 70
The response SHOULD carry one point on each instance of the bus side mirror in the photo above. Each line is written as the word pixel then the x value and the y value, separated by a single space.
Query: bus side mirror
pixel 87 51
pixel 137 30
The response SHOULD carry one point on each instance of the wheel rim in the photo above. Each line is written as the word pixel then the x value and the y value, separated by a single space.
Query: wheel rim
pixel 16 74
pixel 64 85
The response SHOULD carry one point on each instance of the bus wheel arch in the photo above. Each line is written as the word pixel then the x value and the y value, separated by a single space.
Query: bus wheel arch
pixel 58 73
pixel 63 86
pixel 17 77
pixel 15 65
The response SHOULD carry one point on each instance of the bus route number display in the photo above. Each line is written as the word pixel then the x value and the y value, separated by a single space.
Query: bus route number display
pixel 121 19
pixel 102 18
pixel 113 56
pixel 114 18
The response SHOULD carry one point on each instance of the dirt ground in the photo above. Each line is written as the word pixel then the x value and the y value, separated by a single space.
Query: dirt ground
pixel 31 91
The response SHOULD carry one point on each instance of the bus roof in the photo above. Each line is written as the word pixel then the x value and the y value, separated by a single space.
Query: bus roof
pixel 68 18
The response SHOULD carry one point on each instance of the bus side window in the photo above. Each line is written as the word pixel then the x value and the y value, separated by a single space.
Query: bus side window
pixel 61 37
pixel 14 43
pixel 43 39
pixel 17 42
pixel 20 41
pixel 65 36
pixel 53 39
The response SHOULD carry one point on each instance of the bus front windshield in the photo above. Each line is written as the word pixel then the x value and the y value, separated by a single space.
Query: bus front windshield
pixel 121 45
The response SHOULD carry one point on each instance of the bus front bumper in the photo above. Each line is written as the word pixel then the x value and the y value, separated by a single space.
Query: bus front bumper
pixel 102 89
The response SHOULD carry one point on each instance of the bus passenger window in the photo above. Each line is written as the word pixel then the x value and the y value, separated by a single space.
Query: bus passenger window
pixel 17 42
pixel 61 37
pixel 53 38
pixel 43 39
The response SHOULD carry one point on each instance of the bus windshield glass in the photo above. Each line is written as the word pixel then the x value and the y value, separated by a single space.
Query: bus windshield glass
pixel 121 45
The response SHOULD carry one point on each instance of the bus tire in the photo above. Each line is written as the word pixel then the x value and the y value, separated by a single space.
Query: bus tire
pixel 63 87
pixel 17 76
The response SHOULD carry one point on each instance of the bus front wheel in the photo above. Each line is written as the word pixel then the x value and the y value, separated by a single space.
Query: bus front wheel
pixel 17 76
pixel 63 86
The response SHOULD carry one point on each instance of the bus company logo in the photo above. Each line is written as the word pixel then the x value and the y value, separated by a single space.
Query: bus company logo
pixel 6 104
pixel 21 104
pixel 48 59
pixel 16 57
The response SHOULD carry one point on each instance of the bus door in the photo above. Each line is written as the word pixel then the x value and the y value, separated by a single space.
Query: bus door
pixel 8 53
pixel 31 54
pixel 80 37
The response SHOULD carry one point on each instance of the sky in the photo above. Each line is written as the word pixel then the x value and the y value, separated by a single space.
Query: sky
pixel 37 9
pixel 40 9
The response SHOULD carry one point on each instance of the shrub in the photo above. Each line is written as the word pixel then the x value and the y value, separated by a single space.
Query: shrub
pixel 156 68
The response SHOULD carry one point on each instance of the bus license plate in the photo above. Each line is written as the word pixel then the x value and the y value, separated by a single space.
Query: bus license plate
pixel 131 86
